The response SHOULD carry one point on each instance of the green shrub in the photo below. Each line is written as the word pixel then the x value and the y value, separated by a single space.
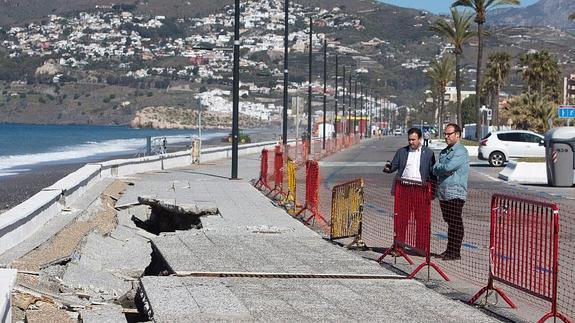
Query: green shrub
pixel 112 96
pixel 22 95
pixel 42 100
pixel 149 94
pixel 76 96
pixel 106 100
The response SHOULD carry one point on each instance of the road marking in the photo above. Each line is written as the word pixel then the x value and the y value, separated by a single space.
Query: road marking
pixel 487 176
pixel 351 164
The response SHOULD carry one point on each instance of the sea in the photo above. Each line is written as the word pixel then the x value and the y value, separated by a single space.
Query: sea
pixel 24 147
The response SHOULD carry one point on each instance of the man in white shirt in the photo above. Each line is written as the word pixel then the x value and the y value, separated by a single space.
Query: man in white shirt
pixel 413 162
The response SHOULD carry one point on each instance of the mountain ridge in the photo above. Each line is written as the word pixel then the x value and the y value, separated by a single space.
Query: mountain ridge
pixel 553 13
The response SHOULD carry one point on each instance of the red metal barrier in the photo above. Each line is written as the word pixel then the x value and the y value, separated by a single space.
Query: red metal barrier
pixel 412 223
pixel 263 180
pixel 524 249
pixel 312 193
pixel 278 173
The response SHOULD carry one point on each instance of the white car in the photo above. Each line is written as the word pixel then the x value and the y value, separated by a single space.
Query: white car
pixel 498 146
pixel 397 132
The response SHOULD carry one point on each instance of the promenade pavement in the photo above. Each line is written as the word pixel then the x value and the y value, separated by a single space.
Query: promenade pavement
pixel 236 267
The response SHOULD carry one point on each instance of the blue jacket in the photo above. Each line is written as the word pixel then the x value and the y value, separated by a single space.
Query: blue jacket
pixel 425 164
pixel 452 171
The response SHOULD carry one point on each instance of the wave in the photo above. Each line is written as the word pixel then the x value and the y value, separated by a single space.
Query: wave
pixel 89 151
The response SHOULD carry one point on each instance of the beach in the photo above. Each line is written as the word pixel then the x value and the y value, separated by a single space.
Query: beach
pixel 18 188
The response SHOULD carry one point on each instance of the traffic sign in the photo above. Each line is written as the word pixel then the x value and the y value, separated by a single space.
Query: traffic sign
pixel 566 111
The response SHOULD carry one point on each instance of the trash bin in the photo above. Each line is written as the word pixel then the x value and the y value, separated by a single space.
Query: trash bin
pixel 560 156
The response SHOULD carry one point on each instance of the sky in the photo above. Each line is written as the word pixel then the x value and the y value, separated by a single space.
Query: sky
pixel 436 6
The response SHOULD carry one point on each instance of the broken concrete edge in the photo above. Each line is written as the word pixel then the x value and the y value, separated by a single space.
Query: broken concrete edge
pixel 23 220
pixel 7 282
pixel 198 209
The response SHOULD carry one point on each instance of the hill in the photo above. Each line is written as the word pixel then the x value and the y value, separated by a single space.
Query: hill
pixel 21 11
pixel 553 13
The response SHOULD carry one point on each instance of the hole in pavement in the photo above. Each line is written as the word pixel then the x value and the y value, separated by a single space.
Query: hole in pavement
pixel 167 216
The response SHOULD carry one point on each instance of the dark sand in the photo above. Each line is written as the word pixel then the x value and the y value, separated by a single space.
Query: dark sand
pixel 16 189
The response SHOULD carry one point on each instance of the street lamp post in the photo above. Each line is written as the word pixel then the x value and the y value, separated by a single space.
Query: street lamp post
pixel 309 86
pixel 324 90
pixel 236 89
pixel 335 108
pixel 379 118
pixel 370 110
pixel 343 126
pixel 349 105
pixel 286 75
pixel 361 133
pixel 355 108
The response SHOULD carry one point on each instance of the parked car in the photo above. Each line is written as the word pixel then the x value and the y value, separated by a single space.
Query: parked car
pixel 397 132
pixel 498 146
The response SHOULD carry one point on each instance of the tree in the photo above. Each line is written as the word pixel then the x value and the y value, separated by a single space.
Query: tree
pixel 458 32
pixel 481 7
pixel 441 73
pixel 541 72
pixel 572 16
pixel 533 111
pixel 498 69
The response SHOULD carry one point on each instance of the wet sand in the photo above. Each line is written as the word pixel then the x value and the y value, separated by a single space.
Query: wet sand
pixel 18 188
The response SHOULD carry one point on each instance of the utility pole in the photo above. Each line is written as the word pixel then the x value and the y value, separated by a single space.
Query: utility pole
pixel 335 109
pixel 236 91
pixel 309 87
pixel 286 75
pixel 324 90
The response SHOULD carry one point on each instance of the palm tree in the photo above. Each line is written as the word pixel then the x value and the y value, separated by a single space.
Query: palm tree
pixel 498 68
pixel 541 72
pixel 534 111
pixel 441 73
pixel 457 33
pixel 481 7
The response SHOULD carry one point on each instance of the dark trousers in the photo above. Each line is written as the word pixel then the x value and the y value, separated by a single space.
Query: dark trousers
pixel 426 142
pixel 452 210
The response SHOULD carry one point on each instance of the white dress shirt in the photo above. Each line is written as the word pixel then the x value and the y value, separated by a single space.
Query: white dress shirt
pixel 411 170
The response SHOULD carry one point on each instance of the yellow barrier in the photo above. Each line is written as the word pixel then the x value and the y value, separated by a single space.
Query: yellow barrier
pixel 291 198
pixel 347 211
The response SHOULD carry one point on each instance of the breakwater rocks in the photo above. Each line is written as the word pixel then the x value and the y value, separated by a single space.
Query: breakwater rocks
pixel 164 117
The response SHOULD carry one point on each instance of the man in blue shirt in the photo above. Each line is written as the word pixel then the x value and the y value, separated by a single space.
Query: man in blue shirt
pixel 452 171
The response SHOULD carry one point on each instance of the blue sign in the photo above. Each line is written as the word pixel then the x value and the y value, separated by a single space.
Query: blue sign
pixel 566 111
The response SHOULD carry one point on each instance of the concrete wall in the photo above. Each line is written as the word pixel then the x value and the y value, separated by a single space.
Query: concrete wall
pixel 7 281
pixel 20 222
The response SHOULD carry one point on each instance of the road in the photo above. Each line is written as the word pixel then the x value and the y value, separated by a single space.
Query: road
pixel 366 161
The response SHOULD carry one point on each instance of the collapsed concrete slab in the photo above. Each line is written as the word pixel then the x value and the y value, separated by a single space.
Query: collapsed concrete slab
pixel 108 266
pixel 108 313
